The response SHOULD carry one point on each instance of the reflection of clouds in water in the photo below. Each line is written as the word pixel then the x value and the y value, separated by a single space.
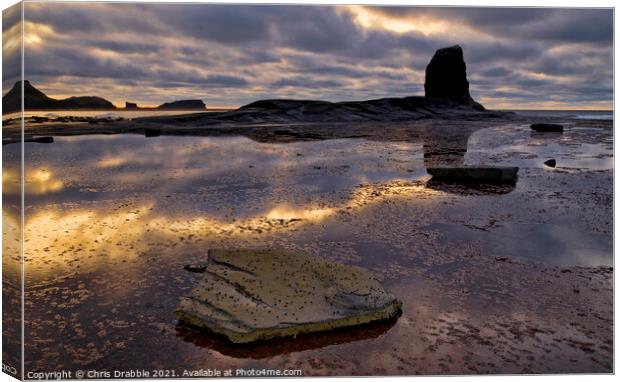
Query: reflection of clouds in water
pixel 220 172
pixel 184 189
pixel 39 181
pixel 11 244
pixel 59 237
pixel 576 148
pixel 290 213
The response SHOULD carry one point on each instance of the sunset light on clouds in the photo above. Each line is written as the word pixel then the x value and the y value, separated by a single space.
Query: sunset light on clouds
pixel 232 55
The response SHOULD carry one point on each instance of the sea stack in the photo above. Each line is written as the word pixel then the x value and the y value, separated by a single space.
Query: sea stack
pixel 131 106
pixel 446 77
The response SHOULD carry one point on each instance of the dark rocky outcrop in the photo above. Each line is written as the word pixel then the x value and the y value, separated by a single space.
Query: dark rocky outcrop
pixel 547 127
pixel 464 175
pixel 550 162
pixel 188 104
pixel 446 77
pixel 131 106
pixel 87 102
pixel 447 97
pixel 34 99
pixel 6 141
pixel 151 132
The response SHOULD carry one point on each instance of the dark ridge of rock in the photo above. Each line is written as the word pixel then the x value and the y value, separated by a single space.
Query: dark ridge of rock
pixel 383 109
pixel 480 175
pixel 188 104
pixel 309 111
pixel 151 132
pixel 6 141
pixel 40 140
pixel 447 97
pixel 446 77
pixel 34 99
pixel 86 102
pixel 547 127
pixel 131 106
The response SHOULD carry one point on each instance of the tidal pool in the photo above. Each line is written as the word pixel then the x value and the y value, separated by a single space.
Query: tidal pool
pixel 110 222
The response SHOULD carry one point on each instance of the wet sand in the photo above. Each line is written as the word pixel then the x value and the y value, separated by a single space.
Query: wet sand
pixel 515 280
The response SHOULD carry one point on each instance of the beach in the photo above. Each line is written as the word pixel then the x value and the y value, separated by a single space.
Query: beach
pixel 502 279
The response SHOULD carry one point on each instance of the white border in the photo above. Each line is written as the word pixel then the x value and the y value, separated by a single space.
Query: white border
pixel 469 3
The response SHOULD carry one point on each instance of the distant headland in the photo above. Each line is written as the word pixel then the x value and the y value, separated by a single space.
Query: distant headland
pixel 446 96
pixel 34 99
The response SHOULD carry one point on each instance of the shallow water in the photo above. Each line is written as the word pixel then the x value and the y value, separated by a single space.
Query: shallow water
pixel 569 114
pixel 121 113
pixel 111 220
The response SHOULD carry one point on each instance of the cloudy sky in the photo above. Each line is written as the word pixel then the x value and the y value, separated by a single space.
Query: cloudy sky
pixel 234 54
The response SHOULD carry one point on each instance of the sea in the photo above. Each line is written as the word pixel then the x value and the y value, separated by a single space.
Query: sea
pixel 131 114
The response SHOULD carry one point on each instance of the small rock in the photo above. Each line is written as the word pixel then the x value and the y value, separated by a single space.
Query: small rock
pixel 196 268
pixel 547 127
pixel 550 162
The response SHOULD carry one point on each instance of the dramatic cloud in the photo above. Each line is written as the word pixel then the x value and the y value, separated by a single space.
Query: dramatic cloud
pixel 235 54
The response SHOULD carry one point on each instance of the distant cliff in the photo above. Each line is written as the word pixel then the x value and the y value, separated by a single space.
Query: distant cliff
pixel 188 104
pixel 34 99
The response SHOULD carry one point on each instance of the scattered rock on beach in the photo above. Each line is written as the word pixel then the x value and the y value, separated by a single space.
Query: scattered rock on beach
pixel 251 295
pixel 550 162
pixel 492 175
pixel 196 268
pixel 547 127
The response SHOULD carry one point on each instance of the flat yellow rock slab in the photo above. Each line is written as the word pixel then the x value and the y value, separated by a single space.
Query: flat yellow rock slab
pixel 251 295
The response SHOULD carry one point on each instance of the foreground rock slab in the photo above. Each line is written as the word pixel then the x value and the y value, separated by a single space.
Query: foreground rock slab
pixel 490 175
pixel 252 295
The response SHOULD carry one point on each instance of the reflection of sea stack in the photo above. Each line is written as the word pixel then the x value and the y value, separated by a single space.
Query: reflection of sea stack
pixel 446 77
